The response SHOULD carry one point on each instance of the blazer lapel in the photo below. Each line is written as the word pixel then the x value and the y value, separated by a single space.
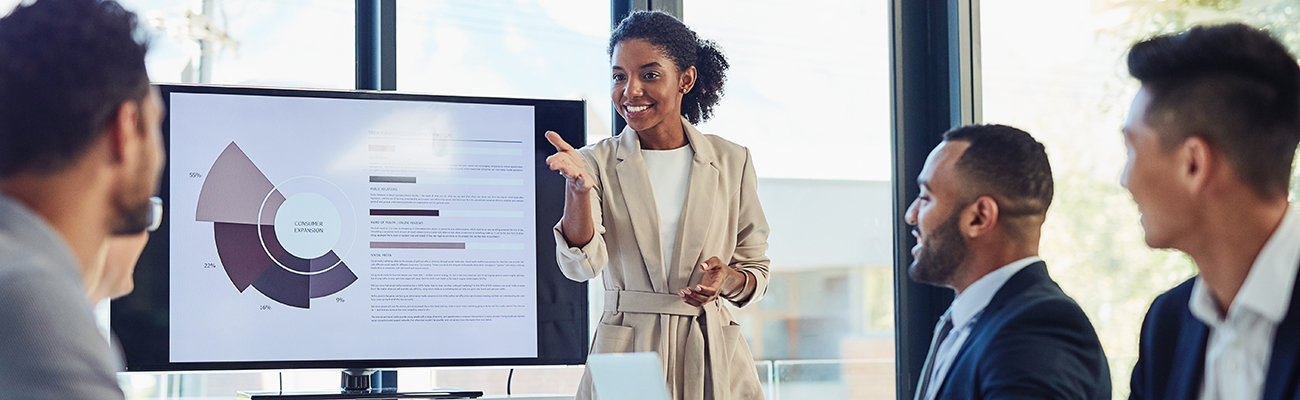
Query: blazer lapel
pixel 697 211
pixel 1280 380
pixel 1189 359
pixel 640 201
pixel 1031 275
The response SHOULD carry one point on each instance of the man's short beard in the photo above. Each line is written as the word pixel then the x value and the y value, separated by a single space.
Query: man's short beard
pixel 135 216
pixel 132 218
pixel 941 253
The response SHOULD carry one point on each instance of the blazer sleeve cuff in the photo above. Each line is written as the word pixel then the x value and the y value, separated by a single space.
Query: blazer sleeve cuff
pixel 575 262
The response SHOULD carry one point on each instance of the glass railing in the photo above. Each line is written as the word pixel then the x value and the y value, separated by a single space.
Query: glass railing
pixel 781 380
pixel 830 379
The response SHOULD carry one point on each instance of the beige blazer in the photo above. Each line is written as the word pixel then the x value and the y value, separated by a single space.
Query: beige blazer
pixel 704 355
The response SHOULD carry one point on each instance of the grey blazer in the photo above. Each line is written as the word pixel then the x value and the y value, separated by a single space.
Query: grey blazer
pixel 703 352
pixel 52 349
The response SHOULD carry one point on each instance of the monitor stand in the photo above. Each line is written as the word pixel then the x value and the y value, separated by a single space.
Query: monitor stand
pixel 365 384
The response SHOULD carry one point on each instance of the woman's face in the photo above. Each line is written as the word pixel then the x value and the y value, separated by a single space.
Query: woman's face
pixel 647 87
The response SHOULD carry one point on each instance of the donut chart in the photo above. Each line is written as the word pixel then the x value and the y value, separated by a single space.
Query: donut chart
pixel 280 239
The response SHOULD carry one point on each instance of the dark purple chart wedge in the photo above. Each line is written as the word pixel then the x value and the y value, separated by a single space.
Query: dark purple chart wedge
pixel 241 202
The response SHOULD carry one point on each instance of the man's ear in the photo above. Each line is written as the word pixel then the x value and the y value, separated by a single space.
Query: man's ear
pixel 1197 162
pixel 980 217
pixel 123 130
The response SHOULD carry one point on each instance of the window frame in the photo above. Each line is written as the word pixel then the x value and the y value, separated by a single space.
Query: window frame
pixel 934 51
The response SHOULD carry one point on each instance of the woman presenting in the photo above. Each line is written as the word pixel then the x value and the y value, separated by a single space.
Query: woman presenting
pixel 669 214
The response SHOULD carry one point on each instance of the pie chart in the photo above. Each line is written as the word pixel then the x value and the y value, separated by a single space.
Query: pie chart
pixel 285 239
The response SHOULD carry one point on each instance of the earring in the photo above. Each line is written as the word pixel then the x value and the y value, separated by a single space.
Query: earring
pixel 685 90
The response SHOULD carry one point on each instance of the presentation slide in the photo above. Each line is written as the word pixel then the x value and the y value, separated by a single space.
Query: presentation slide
pixel 345 229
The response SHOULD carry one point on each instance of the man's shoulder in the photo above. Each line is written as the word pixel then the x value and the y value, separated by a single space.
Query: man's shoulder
pixel 18 260
pixel 1038 297
pixel 1168 314
pixel 1033 308
pixel 1176 300
pixel 50 333
pixel 40 290
pixel 1045 305
pixel 1035 339
pixel 35 280
pixel 1163 336
pixel 29 247
pixel 1039 311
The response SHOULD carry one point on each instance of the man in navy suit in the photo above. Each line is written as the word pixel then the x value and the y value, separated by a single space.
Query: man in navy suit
pixel 1211 137
pixel 1011 332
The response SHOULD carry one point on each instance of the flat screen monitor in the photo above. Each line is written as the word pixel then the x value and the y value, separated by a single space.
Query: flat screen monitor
pixel 354 229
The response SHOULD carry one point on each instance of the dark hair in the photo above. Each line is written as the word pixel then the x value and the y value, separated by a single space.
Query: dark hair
pixel 65 68
pixel 686 49
pixel 1234 86
pixel 1006 163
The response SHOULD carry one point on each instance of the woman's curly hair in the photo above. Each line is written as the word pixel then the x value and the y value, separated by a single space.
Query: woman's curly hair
pixel 686 49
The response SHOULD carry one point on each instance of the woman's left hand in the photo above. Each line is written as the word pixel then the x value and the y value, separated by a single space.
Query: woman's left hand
pixel 715 272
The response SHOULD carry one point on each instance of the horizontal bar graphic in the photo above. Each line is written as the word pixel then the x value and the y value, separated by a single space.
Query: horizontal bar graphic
pixel 392 179
pixel 423 148
pixel 416 245
pixel 483 214
pixel 403 213
pixel 485 151
pixel 479 140
pixel 496 246
pixel 474 181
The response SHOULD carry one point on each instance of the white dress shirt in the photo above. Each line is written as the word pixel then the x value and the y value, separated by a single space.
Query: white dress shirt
pixel 964 311
pixel 670 176
pixel 1240 343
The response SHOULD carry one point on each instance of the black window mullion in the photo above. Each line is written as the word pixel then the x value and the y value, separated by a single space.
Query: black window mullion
pixel 927 101
pixel 376 33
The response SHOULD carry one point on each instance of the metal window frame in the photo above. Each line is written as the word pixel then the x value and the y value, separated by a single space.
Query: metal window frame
pixel 935 84
pixel 376 33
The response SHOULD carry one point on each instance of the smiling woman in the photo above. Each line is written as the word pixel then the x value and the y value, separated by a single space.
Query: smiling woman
pixel 648 94
pixel 670 215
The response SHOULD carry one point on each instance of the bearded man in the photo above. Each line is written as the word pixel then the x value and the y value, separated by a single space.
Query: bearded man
pixel 80 155
pixel 1010 332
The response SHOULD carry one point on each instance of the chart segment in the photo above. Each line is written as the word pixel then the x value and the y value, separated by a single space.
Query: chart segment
pixel 249 216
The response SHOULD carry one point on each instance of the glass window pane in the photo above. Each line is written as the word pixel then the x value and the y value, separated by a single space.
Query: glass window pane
pixel 808 94
pixel 1057 69
pixel 297 43
pixel 525 48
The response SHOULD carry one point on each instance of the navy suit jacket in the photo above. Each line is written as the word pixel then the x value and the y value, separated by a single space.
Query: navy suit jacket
pixel 1031 342
pixel 1171 353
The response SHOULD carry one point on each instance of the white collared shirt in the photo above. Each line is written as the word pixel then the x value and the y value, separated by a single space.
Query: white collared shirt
pixel 1240 343
pixel 964 311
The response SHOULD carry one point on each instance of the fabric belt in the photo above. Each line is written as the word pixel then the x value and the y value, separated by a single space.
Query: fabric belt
pixel 697 348
pixel 648 303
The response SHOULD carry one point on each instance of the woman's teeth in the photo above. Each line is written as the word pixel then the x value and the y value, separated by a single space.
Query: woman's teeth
pixel 637 108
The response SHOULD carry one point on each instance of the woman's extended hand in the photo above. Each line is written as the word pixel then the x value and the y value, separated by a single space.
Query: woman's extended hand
pixel 569 163
pixel 715 273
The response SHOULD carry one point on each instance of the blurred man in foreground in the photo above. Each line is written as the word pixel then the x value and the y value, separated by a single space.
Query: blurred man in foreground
pixel 80 155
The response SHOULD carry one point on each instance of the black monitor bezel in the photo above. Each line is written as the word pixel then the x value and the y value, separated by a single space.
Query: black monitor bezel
pixel 140 320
